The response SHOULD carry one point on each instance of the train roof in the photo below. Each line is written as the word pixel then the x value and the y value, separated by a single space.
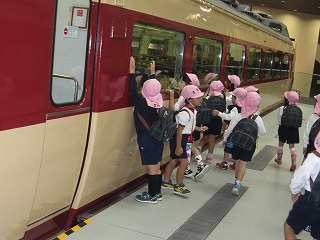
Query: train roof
pixel 262 21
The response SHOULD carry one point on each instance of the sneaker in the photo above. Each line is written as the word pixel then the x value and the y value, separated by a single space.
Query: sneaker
pixel 232 166
pixel 209 160
pixel 201 170
pixel 181 189
pixel 293 167
pixel 159 195
pixel 188 173
pixel 146 198
pixel 167 184
pixel 235 189
pixel 222 165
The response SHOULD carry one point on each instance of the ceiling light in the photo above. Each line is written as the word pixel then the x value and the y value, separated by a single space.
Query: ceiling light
pixel 262 4
pixel 283 1
pixel 295 10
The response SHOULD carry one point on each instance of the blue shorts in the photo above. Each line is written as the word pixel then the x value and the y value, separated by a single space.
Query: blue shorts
pixel 288 135
pixel 214 126
pixel 242 154
pixel 303 214
pixel 173 145
pixel 150 148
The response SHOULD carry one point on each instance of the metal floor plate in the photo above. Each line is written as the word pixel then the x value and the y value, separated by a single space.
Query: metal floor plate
pixel 261 160
pixel 203 222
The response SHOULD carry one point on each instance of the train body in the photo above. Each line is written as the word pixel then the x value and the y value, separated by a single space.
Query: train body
pixel 67 139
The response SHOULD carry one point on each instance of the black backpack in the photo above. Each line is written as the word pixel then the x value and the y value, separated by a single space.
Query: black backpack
pixel 217 102
pixel 165 128
pixel 245 133
pixel 204 114
pixel 314 131
pixel 291 117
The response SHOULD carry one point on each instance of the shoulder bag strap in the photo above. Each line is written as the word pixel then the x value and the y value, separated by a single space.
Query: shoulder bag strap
pixel 143 122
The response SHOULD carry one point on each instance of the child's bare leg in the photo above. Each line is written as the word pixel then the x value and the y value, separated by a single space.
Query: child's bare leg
pixel 181 170
pixel 169 169
pixel 293 157
pixel 288 232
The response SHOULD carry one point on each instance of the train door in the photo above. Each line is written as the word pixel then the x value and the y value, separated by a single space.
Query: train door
pixel 67 115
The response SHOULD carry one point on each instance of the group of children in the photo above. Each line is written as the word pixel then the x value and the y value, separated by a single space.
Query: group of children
pixel 243 108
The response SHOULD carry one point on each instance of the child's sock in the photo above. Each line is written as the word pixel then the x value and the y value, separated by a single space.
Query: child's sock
pixel 153 184
pixel 210 155
pixel 199 148
pixel 199 160
pixel 238 182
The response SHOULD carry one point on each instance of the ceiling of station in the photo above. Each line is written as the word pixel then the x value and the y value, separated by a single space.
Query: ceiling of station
pixel 302 6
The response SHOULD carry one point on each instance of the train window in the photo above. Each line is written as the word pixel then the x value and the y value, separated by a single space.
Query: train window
pixel 267 64
pixel 162 45
pixel 70 47
pixel 285 66
pixel 254 64
pixel 235 61
pixel 206 57
pixel 277 64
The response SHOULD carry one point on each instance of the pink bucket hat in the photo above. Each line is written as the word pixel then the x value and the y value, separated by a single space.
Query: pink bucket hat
pixel 210 77
pixel 151 92
pixel 317 106
pixel 191 91
pixel 240 94
pixel 194 79
pixel 317 142
pixel 252 89
pixel 235 80
pixel 216 88
pixel 250 104
pixel 292 97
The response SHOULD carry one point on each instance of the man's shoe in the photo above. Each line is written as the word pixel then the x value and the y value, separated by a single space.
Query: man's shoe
pixel 146 198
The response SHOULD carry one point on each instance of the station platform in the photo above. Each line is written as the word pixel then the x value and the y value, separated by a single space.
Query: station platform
pixel 210 212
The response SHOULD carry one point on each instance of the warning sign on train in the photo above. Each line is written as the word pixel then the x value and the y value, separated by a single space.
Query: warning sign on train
pixel 70 32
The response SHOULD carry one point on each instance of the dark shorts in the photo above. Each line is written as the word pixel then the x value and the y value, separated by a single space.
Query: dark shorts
pixel 303 214
pixel 150 148
pixel 173 145
pixel 242 154
pixel 288 135
pixel 196 135
pixel 214 126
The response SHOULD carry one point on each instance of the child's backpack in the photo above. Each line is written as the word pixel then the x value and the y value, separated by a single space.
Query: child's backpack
pixel 217 102
pixel 245 133
pixel 314 197
pixel 204 114
pixel 314 131
pixel 291 117
pixel 165 127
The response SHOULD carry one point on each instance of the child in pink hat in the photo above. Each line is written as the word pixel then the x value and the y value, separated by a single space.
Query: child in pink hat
pixel 210 77
pixel 240 155
pixel 233 83
pixel 180 144
pixel 187 80
pixel 314 125
pixel 238 96
pixel 146 105
pixel 304 213
pixel 288 134
pixel 217 101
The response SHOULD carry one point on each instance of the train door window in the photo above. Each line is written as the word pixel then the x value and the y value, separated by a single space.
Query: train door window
pixel 162 45
pixel 267 64
pixel 254 64
pixel 206 58
pixel 236 58
pixel 70 48
pixel 277 64
pixel 285 66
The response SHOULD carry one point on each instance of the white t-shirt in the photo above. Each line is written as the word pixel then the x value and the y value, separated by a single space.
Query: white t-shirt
pixel 309 168
pixel 312 119
pixel 187 119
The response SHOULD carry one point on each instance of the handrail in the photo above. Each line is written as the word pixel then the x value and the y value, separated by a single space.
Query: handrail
pixel 76 83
